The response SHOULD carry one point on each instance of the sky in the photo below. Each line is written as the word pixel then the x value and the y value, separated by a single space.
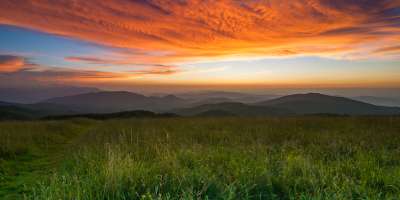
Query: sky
pixel 200 44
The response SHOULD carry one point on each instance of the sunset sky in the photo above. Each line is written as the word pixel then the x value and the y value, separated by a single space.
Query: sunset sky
pixel 200 43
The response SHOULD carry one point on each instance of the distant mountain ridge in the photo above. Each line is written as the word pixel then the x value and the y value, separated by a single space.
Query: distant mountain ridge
pixel 121 101
pixel 232 108
pixel 219 96
pixel 116 101
pixel 316 103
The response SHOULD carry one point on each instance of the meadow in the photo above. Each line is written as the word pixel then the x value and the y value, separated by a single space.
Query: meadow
pixel 201 158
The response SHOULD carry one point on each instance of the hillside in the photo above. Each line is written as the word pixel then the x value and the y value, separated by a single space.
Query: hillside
pixel 313 103
pixel 231 108
pixel 13 112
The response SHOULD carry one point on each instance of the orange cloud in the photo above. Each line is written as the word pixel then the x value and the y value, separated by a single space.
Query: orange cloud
pixel 157 70
pixel 390 49
pixel 38 73
pixel 9 63
pixel 13 69
pixel 188 30
pixel 91 60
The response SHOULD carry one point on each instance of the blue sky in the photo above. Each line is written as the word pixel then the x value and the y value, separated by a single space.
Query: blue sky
pixel 46 49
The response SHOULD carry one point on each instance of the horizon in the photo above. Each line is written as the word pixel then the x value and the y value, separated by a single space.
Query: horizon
pixel 237 46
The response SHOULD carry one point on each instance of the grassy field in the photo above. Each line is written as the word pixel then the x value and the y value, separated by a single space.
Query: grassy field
pixel 202 158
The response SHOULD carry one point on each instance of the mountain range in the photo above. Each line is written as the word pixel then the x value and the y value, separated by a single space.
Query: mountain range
pixel 224 96
pixel 120 101
pixel 116 101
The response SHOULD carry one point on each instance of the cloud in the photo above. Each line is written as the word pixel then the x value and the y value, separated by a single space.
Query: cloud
pixel 157 70
pixel 389 49
pixel 44 74
pixel 119 59
pixel 193 30
pixel 128 63
pixel 13 69
pixel 10 63
pixel 91 60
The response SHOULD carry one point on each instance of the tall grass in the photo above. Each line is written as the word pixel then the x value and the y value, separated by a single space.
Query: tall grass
pixel 18 138
pixel 230 158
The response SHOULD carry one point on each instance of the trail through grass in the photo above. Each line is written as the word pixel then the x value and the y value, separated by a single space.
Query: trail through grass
pixel 203 158
pixel 32 151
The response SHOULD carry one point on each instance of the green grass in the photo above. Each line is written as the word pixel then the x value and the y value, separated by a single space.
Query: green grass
pixel 202 158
